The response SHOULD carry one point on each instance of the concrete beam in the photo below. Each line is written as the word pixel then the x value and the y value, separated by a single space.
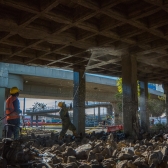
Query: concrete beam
pixel 46 72
pixel 50 92
pixel 43 112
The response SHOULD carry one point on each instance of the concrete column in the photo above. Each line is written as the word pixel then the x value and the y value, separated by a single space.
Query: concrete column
pixel 99 118
pixel 144 115
pixel 165 87
pixel 117 114
pixel 79 100
pixel 36 120
pixel 2 108
pixel 31 122
pixel 130 99
pixel 166 105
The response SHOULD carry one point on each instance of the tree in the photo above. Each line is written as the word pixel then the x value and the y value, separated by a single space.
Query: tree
pixel 162 97
pixel 118 96
pixel 156 107
pixel 39 106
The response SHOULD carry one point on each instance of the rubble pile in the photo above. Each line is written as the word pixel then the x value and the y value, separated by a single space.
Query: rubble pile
pixel 98 150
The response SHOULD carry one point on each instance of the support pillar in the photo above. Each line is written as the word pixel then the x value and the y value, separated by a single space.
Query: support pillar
pixel 31 122
pixel 36 120
pixel 130 99
pixel 165 88
pixel 2 108
pixel 144 115
pixel 166 104
pixel 79 100
pixel 99 118
pixel 117 114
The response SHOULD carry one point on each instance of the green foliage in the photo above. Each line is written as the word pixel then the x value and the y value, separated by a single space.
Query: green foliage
pixel 160 126
pixel 119 86
pixel 163 98
pixel 118 98
pixel 39 106
pixel 155 107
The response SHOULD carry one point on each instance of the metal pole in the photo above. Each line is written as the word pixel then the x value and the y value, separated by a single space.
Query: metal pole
pixel 55 104
pixel 24 106
pixel 94 116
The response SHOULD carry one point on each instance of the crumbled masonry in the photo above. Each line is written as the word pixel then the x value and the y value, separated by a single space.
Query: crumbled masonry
pixel 94 150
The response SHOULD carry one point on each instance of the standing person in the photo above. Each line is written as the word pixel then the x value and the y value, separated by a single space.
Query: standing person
pixel 66 122
pixel 12 112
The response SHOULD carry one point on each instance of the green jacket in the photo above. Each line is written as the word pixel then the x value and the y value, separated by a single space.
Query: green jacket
pixel 64 115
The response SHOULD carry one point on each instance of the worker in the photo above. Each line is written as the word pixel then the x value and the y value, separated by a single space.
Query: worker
pixel 12 113
pixel 66 122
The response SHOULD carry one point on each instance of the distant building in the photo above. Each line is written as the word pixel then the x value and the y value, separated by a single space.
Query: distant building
pixel 159 88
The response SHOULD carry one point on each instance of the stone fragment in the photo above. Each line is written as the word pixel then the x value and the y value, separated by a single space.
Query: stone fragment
pixel 96 166
pixel 85 140
pixel 84 166
pixel 71 159
pixel 94 161
pixel 164 150
pixel 69 152
pixel 99 157
pixel 122 164
pixel 71 165
pixel 124 156
pixel 74 145
pixel 63 147
pixel 81 155
pixel 139 161
pixel 155 157
pixel 57 160
pixel 96 149
pixel 91 156
pixel 83 151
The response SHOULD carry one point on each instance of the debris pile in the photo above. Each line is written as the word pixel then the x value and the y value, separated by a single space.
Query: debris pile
pixel 94 150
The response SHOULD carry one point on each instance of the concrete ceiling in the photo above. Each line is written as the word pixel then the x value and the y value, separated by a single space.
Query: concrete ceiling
pixel 94 34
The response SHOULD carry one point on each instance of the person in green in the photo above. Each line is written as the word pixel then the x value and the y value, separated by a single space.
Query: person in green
pixel 66 122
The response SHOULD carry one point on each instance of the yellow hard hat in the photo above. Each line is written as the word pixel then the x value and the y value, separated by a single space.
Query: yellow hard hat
pixel 14 90
pixel 60 104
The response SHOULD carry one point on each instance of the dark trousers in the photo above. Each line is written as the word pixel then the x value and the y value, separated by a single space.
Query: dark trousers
pixel 13 130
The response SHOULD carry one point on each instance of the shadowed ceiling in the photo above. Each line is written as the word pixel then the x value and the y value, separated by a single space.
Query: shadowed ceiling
pixel 89 33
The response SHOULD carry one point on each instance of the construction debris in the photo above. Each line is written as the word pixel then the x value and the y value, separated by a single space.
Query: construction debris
pixel 48 152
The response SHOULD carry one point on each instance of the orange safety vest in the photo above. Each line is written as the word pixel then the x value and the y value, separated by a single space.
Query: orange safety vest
pixel 11 114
